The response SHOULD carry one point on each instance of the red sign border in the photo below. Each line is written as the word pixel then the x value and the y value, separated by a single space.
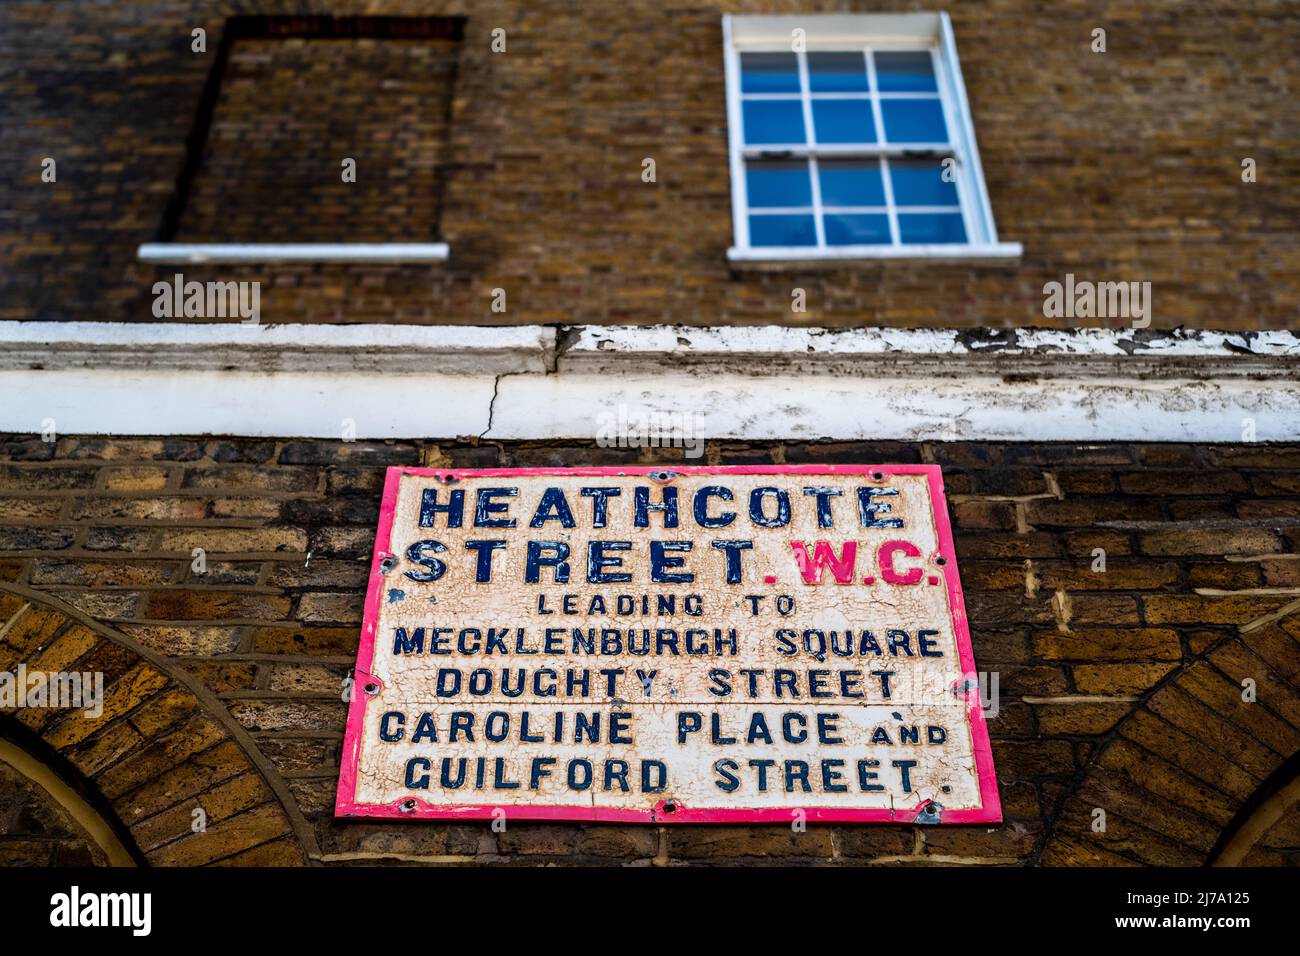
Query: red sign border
pixel 412 807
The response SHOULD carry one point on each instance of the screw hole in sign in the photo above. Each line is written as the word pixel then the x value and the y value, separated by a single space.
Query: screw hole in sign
pixel 408 805
pixel 941 560
pixel 669 807
pixel 878 475
pixel 372 688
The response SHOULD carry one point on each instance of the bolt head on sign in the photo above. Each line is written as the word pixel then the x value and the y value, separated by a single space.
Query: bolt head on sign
pixel 656 645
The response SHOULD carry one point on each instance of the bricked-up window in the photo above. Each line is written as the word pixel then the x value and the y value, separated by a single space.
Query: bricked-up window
pixel 851 138
pixel 320 130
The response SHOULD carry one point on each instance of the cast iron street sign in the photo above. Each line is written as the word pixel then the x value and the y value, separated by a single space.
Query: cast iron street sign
pixel 760 644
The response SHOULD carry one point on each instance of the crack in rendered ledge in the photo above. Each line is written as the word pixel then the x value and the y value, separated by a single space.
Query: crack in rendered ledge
pixel 566 336
pixel 492 403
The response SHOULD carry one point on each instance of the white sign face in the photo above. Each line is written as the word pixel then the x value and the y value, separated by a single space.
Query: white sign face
pixel 759 644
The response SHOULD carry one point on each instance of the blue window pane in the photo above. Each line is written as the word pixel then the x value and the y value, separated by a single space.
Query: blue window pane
pixel 870 230
pixel 782 231
pixel 843 121
pixel 931 227
pixel 921 183
pixel 837 72
pixel 769 73
pixel 905 73
pixel 851 182
pixel 778 184
pixel 914 121
pixel 773 121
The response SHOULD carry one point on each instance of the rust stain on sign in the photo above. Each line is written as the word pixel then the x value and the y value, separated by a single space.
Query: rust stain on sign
pixel 759 644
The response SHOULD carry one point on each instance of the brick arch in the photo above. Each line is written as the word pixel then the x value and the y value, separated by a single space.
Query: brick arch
pixel 1266 831
pixel 1175 774
pixel 163 747
pixel 49 812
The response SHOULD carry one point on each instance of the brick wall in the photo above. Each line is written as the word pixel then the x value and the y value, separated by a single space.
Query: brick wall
pixel 1119 690
pixel 1122 166
pixel 291 110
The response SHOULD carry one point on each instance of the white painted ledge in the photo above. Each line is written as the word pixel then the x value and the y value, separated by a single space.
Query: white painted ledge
pixel 792 257
pixel 188 253
pixel 157 347
pixel 943 353
pixel 538 382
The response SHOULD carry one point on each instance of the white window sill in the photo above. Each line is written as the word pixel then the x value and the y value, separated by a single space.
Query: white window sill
pixel 777 257
pixel 177 253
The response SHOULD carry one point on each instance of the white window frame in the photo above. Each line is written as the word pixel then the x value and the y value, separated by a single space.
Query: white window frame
pixel 866 32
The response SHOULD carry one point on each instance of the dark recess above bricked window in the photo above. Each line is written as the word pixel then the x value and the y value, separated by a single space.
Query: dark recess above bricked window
pixel 288 99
